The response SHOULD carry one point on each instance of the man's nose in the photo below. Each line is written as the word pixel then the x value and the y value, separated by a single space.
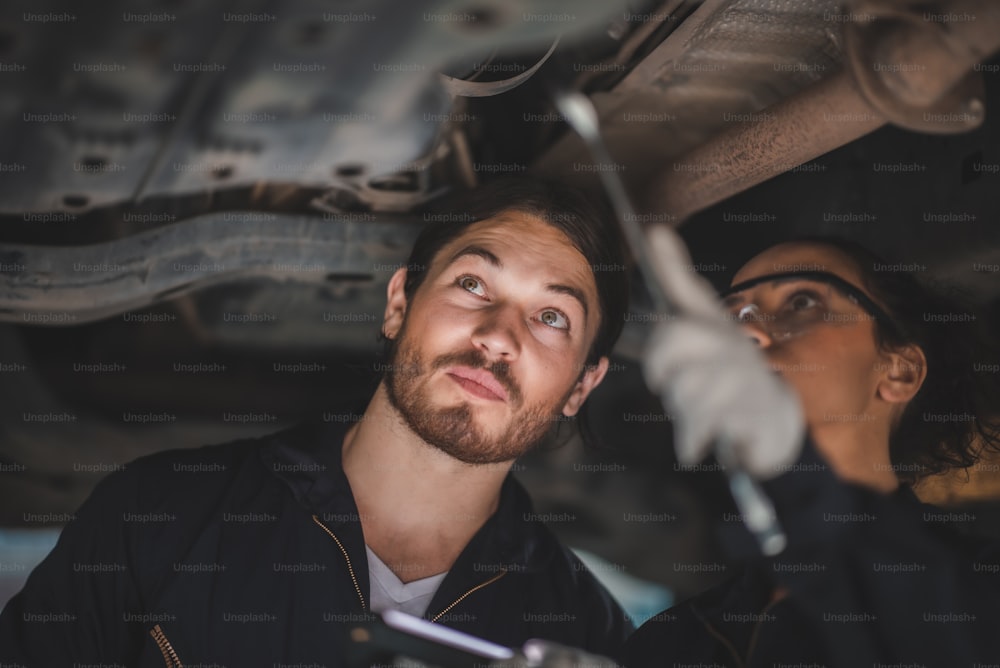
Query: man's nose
pixel 498 335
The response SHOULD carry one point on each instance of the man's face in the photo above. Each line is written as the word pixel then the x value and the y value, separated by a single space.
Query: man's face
pixel 819 339
pixel 491 349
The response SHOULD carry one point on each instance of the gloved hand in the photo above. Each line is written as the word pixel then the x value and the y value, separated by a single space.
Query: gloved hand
pixel 545 654
pixel 717 386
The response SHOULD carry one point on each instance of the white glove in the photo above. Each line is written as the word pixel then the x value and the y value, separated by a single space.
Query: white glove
pixel 718 387
pixel 545 654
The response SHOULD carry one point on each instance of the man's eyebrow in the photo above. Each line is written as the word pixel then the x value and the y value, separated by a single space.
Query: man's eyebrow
pixel 575 293
pixel 557 288
pixel 477 251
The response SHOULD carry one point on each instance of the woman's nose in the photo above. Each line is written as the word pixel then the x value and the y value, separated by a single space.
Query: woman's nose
pixel 751 320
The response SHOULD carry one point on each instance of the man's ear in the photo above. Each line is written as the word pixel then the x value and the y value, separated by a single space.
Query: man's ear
pixel 395 307
pixel 905 369
pixel 591 378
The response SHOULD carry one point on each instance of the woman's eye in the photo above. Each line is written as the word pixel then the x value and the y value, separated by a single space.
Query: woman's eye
pixel 554 319
pixel 802 301
pixel 471 284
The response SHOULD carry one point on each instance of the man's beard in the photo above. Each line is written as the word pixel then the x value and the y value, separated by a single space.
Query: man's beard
pixel 453 430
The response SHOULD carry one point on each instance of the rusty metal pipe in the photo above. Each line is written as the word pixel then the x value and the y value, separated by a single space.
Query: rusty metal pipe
pixel 916 64
pixel 815 121
pixel 906 69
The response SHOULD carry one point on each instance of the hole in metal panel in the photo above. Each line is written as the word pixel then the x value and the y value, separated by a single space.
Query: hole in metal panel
pixel 75 201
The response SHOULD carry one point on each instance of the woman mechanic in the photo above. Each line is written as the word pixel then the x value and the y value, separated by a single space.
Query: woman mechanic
pixel 885 387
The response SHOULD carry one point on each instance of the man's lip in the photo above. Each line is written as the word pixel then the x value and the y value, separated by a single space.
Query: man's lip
pixel 480 377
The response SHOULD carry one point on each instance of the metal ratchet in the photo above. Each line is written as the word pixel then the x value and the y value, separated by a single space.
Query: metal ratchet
pixel 670 296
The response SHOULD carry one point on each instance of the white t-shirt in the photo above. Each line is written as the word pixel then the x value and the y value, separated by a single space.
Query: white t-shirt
pixel 388 592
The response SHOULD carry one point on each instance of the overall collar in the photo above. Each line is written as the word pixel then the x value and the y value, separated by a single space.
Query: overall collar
pixel 307 459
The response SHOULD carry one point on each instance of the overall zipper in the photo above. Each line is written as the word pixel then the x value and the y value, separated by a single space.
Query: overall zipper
pixel 357 588
pixel 461 598
pixel 347 558
pixel 756 628
pixel 169 655
pixel 724 640
pixel 740 661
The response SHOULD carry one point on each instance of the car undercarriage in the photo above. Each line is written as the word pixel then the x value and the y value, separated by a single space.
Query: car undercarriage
pixel 201 205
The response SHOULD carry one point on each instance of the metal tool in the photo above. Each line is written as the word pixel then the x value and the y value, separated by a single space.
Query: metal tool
pixel 674 292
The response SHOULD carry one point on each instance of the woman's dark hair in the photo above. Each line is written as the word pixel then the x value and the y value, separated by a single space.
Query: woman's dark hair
pixel 952 419
pixel 588 224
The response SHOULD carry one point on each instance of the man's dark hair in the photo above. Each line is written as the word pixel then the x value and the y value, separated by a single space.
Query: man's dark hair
pixel 589 224
pixel 952 419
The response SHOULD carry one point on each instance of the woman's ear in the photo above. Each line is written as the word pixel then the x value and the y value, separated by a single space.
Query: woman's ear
pixel 905 369
pixel 395 307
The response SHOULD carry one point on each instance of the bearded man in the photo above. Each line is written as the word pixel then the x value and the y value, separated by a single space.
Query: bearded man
pixel 261 552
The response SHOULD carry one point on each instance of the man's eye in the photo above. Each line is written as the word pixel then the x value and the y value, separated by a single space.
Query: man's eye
pixel 554 318
pixel 471 284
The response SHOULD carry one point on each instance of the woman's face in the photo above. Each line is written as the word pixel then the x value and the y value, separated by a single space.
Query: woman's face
pixel 814 334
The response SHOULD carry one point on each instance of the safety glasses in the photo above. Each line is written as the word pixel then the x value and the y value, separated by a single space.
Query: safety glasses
pixel 786 305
